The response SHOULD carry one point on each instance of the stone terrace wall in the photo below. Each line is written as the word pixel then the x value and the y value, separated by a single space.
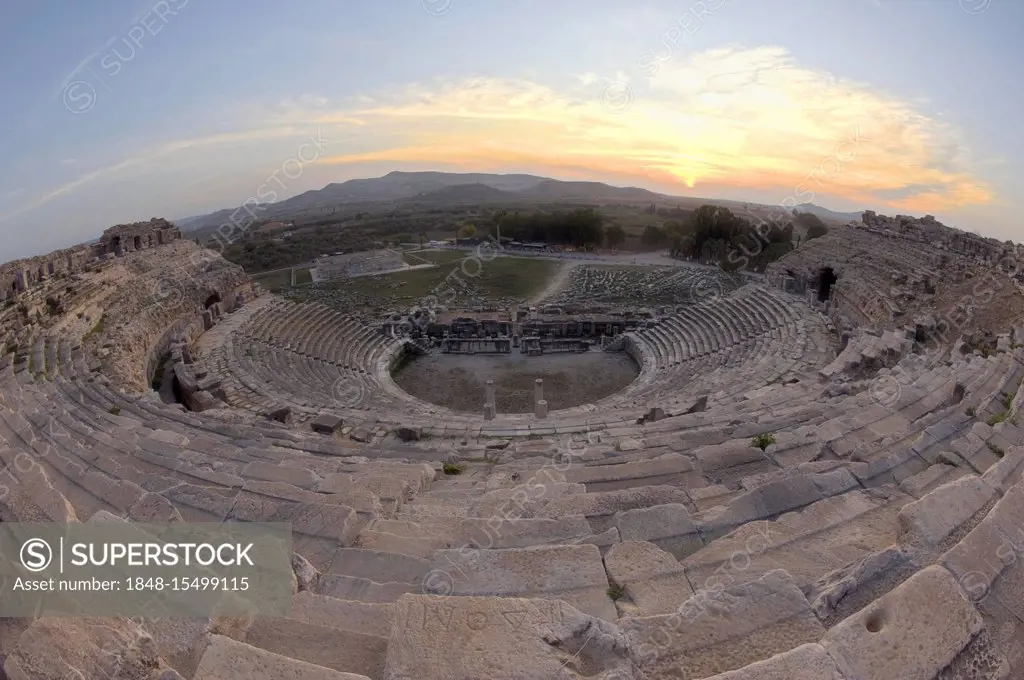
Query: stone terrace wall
pixel 884 267
pixel 18 276
pixel 127 238
pixel 929 230
pixel 163 296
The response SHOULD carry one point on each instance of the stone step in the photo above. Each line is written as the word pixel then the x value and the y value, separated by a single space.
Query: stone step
pixel 574 574
pixel 330 647
pixel 806 662
pixel 226 658
pixel 495 637
pixel 808 544
pixel 949 508
pixel 383 567
pixel 724 629
pixel 362 589
pixel 900 636
pixel 359 617
pixel 670 527
pixel 600 507
pixel 671 469
pixel 653 581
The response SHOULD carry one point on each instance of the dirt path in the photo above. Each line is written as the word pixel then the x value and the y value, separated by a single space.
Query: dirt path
pixel 557 283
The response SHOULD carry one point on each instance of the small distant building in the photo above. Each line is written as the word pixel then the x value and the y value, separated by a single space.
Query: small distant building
pixel 271 231
pixel 346 265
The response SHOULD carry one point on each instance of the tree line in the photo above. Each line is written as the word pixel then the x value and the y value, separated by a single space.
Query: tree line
pixel 581 227
pixel 715 235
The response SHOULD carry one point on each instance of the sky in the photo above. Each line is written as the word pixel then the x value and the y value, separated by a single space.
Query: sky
pixel 123 110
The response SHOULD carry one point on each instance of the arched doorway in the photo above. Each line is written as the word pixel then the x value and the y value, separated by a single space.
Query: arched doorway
pixel 213 299
pixel 826 279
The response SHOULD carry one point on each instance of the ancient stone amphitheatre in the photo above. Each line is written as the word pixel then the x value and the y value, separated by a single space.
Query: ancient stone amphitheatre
pixel 815 474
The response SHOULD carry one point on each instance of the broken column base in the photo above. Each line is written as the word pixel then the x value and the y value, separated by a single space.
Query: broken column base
pixel 488 411
pixel 327 423
pixel 541 408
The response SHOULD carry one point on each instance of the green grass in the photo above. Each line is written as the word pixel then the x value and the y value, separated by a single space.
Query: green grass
pixel 451 468
pixel 1006 399
pixel 510 277
pixel 434 256
pixel 998 418
pixel 114 410
pixel 615 590
pixel 278 280
pixel 763 441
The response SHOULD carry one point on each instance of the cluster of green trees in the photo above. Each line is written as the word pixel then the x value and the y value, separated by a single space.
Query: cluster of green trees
pixel 715 235
pixel 582 227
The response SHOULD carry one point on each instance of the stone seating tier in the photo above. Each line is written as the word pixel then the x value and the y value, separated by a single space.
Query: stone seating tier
pixel 875 534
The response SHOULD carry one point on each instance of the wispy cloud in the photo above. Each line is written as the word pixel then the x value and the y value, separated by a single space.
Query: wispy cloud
pixel 728 118
pixel 156 157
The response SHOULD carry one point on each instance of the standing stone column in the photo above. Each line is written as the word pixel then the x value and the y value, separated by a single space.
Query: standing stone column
pixel 489 407
pixel 540 405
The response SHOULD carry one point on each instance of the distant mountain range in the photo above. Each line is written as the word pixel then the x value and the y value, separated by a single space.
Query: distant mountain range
pixel 826 214
pixel 440 188
pixel 434 188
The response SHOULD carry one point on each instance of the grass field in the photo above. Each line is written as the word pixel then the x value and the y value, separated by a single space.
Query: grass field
pixel 282 278
pixel 502 277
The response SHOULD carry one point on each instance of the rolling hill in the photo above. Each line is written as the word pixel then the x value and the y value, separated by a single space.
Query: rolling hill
pixel 435 188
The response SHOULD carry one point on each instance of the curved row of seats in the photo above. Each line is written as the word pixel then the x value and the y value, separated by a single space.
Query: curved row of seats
pixel 873 532
pixel 306 355
pixel 775 558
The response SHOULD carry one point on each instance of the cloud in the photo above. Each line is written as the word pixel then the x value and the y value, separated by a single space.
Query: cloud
pixel 156 157
pixel 726 119
pixel 735 118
